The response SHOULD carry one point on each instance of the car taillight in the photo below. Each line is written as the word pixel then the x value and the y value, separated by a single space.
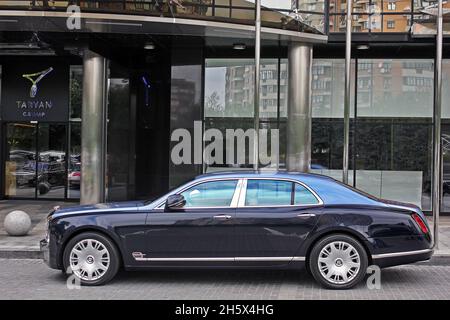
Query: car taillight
pixel 76 174
pixel 422 225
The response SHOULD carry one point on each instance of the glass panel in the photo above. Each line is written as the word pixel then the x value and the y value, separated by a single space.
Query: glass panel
pixel 268 193
pixel 74 174
pixel 20 164
pixel 210 194
pixel 311 5
pixel 222 9
pixel 315 21
pixel 446 135
pixel 396 23
pixel 51 168
pixel 327 99
pixel 395 88
pixel 118 163
pixel 328 88
pixel 229 96
pixel 425 24
pixel 278 4
pixel 394 5
pixel 283 87
pixel 270 151
pixel 232 154
pixel 229 88
pixel 76 91
pixel 393 148
pixel 269 89
pixel 303 195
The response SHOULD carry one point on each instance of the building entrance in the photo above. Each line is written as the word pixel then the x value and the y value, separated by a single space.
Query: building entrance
pixel 36 162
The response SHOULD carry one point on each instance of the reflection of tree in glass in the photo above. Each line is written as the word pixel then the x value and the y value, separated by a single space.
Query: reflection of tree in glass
pixel 75 95
pixel 212 102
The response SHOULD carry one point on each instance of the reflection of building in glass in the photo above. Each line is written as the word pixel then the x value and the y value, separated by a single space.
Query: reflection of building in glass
pixel 327 87
pixel 239 93
pixel 183 92
pixel 376 16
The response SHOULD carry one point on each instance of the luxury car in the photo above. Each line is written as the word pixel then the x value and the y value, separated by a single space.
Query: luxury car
pixel 241 220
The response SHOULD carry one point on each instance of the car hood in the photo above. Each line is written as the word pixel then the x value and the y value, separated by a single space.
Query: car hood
pixel 98 208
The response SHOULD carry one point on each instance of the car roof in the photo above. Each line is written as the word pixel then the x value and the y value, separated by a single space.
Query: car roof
pixel 263 174
pixel 328 189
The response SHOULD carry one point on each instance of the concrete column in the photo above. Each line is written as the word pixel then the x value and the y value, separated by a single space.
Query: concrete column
pixel 93 128
pixel 298 151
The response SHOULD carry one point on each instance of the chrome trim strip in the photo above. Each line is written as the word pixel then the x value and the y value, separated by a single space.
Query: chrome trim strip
pixel 237 192
pixel 400 254
pixel 182 259
pixel 115 23
pixel 270 259
pixel 94 210
pixel 241 202
pixel 306 215
pixel 219 259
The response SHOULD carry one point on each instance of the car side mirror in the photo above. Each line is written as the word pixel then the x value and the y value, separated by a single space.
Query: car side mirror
pixel 175 201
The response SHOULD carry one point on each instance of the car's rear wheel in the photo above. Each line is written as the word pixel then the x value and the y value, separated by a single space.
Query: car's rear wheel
pixel 338 262
pixel 92 258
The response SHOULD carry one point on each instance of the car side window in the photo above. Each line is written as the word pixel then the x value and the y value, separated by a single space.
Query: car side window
pixel 210 194
pixel 303 196
pixel 268 192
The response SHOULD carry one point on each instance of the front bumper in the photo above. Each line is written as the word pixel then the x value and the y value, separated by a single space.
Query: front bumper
pixel 48 254
pixel 44 248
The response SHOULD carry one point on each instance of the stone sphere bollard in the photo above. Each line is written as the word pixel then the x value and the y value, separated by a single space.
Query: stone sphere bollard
pixel 17 223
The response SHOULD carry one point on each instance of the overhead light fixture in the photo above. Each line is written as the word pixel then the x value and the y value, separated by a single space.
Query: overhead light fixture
pixel 363 47
pixel 239 46
pixel 149 46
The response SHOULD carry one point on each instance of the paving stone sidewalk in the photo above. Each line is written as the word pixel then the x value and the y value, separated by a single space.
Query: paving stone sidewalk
pixel 28 246
pixel 32 279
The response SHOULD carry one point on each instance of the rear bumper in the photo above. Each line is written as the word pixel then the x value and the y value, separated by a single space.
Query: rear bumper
pixel 399 258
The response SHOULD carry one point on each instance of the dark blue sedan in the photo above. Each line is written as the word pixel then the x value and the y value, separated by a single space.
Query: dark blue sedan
pixel 241 220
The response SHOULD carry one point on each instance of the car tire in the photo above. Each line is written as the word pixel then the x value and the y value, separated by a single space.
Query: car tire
pixel 92 258
pixel 338 262
pixel 44 188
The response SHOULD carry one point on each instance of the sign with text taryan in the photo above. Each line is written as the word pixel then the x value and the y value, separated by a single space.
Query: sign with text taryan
pixel 35 91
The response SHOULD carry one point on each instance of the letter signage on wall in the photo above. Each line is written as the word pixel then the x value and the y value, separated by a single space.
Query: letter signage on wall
pixel 35 91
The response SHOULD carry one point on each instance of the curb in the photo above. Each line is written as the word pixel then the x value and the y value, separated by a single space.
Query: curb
pixel 21 254
pixel 437 260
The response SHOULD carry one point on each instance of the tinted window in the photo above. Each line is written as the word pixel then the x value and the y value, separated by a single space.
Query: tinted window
pixel 210 194
pixel 268 193
pixel 303 195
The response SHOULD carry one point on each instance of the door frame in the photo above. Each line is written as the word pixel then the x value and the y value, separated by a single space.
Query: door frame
pixel 4 156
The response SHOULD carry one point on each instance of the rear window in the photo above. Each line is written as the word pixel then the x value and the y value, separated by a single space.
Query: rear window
pixel 303 196
pixel 266 192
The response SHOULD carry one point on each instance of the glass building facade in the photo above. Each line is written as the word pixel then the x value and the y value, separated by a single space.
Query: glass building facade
pixel 162 76
pixel 391 118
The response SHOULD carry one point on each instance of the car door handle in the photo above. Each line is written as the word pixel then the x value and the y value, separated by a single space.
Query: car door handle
pixel 222 217
pixel 306 215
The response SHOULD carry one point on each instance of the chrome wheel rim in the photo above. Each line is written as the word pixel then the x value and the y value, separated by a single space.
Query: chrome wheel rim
pixel 89 259
pixel 339 262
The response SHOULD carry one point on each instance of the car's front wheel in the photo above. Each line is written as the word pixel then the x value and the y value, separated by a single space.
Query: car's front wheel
pixel 92 258
pixel 338 262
